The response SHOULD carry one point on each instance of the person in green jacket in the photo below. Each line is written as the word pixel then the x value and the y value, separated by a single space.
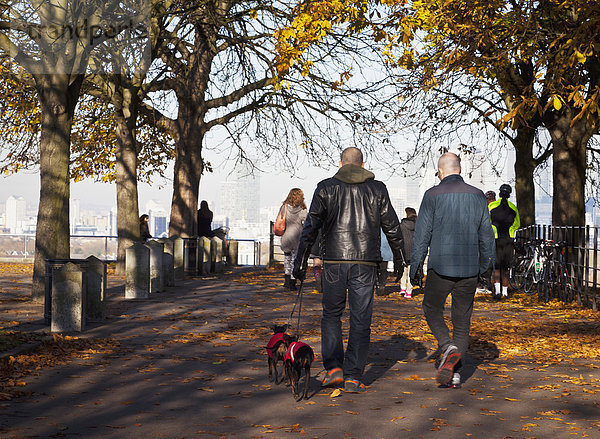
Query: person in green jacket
pixel 505 222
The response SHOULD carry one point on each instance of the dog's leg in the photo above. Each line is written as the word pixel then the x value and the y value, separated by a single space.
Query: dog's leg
pixel 277 380
pixel 289 372
pixel 306 379
pixel 270 369
pixel 295 378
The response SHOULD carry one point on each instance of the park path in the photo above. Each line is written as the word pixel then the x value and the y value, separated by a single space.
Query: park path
pixel 191 364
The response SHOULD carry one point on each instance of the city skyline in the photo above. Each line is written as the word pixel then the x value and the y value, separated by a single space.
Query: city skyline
pixel 230 192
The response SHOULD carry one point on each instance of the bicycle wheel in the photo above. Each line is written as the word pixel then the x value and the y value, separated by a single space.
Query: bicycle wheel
pixel 516 273
pixel 564 283
pixel 529 281
pixel 546 284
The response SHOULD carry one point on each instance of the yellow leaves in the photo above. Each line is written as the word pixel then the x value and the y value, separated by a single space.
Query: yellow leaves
pixel 306 68
pixel 511 399
pixel 557 102
pixel 580 56
pixel 414 378
pixel 335 393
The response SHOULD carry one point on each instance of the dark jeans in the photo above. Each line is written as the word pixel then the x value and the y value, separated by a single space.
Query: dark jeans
pixel 359 281
pixel 437 289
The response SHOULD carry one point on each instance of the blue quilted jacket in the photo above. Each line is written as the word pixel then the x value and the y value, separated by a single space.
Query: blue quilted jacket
pixel 454 224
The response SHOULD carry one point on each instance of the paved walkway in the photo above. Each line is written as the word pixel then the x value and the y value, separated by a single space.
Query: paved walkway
pixel 192 364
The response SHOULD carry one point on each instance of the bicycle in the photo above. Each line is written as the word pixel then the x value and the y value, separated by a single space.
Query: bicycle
pixel 518 266
pixel 563 276
pixel 527 270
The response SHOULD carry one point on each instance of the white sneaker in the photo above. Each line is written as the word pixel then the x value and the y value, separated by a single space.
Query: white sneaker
pixel 455 383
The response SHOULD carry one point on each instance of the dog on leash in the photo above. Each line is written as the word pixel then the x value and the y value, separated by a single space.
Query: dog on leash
pixel 276 350
pixel 299 356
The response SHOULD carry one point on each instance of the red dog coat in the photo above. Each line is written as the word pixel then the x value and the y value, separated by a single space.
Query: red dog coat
pixel 273 341
pixel 293 348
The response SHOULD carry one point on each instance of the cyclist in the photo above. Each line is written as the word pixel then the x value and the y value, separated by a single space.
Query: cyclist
pixel 505 222
pixel 485 279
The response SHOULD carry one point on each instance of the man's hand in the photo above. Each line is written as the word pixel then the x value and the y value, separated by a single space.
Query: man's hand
pixel 299 272
pixel 417 279
pixel 398 269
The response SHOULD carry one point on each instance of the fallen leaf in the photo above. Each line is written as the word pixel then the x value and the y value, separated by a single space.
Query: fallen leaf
pixel 335 393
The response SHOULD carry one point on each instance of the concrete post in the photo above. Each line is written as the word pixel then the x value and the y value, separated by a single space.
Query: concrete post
pixel 190 256
pixel 96 289
pixel 157 283
pixel 168 271
pixel 137 271
pixel 216 254
pixel 232 253
pixel 68 299
pixel 178 257
pixel 204 255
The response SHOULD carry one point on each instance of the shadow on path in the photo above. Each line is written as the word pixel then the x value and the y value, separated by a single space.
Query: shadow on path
pixel 385 354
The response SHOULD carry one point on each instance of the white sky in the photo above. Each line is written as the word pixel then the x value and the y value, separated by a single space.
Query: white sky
pixel 102 196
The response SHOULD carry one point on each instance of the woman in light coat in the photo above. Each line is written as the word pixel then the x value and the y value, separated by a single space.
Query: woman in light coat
pixel 295 214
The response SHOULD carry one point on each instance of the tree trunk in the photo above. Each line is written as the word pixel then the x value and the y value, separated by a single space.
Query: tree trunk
pixel 186 184
pixel 568 170
pixel 191 92
pixel 58 96
pixel 524 169
pixel 128 226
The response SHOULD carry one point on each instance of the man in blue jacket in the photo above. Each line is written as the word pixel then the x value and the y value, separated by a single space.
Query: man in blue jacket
pixel 454 224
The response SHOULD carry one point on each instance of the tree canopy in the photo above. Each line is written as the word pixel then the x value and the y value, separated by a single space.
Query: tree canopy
pixel 540 56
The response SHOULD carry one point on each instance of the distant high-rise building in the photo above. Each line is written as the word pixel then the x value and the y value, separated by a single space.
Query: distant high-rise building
pixel 15 213
pixel 112 228
pixel 74 213
pixel 240 199
pixel 157 223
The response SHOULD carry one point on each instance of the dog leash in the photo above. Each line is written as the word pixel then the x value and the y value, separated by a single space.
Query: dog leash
pixel 299 304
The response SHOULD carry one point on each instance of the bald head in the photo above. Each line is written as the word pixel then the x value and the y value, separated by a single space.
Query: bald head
pixel 352 156
pixel 448 164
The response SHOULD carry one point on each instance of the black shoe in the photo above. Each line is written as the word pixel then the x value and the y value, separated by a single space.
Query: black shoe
pixel 286 281
pixel 293 285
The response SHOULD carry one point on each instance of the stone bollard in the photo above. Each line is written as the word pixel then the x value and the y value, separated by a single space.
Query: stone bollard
pixel 96 289
pixel 157 283
pixel 178 257
pixel 216 254
pixel 232 253
pixel 190 256
pixel 168 272
pixel 68 299
pixel 137 271
pixel 204 255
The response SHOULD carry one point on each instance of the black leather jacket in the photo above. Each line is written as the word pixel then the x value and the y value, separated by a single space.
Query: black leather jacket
pixel 350 207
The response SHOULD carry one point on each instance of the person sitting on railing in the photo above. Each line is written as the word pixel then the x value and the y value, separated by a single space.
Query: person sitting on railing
pixel 144 229
pixel 505 222
pixel 205 217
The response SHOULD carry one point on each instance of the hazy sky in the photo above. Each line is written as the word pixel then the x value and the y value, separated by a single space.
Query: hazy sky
pixel 275 185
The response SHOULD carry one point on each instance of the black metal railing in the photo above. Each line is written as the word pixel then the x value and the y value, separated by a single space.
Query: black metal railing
pixel 581 254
